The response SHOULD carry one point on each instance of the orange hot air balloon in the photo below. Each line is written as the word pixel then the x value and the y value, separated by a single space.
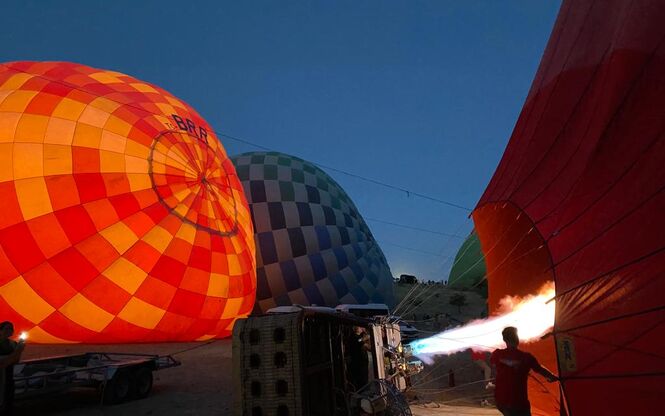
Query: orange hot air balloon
pixel 121 217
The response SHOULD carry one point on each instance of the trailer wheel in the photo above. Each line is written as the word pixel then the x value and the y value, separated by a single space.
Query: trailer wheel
pixel 142 383
pixel 117 389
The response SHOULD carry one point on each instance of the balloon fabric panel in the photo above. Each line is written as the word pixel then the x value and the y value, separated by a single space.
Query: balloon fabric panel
pixel 122 218
pixel 468 269
pixel 313 247
pixel 585 165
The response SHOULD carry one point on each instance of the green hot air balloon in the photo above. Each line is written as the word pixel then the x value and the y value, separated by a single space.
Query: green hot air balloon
pixel 469 269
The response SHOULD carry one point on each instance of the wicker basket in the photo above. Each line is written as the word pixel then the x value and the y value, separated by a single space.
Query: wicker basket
pixel 266 366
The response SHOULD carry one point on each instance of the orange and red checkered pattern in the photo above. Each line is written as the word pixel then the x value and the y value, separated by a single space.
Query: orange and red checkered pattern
pixel 121 217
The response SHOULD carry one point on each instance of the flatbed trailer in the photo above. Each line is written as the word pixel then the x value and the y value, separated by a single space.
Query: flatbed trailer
pixel 117 376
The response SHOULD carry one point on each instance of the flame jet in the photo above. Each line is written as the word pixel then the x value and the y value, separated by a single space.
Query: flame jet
pixel 533 316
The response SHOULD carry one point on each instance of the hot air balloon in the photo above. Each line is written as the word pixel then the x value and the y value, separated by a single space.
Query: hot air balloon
pixel 578 198
pixel 122 219
pixel 468 270
pixel 313 247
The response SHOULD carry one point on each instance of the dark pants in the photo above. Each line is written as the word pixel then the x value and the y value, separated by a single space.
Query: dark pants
pixel 515 412
pixel 7 408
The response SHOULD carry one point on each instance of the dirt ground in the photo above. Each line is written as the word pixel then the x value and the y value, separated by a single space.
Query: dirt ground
pixel 453 380
pixel 436 410
pixel 202 384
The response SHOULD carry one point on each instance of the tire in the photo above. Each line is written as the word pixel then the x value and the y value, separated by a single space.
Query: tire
pixel 141 383
pixel 118 389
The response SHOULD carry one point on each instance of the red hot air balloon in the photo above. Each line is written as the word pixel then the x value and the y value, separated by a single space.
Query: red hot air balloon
pixel 122 219
pixel 578 198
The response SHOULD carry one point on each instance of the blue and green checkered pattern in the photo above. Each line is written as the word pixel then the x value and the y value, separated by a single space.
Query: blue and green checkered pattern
pixel 313 247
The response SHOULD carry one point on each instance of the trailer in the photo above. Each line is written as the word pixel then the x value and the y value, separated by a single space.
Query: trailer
pixel 117 376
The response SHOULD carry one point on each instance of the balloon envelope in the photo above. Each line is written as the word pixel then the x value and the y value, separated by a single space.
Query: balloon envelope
pixel 578 198
pixel 468 269
pixel 122 219
pixel 313 247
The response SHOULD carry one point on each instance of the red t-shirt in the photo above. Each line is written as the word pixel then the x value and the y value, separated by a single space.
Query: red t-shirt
pixel 512 371
pixel 478 355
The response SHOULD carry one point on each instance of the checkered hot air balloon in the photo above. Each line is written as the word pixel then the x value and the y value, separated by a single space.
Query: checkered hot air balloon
pixel 121 217
pixel 313 247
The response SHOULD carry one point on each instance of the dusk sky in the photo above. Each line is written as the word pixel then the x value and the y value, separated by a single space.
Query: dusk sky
pixel 421 95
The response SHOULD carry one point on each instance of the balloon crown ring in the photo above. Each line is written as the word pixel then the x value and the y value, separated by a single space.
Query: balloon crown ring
pixel 192 183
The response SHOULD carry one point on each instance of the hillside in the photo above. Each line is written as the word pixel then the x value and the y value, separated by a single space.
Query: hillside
pixel 428 308
pixel 433 300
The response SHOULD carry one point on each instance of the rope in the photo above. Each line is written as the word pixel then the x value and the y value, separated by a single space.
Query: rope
pixel 194 347
pixel 474 397
pixel 412 307
pixel 460 385
pixel 447 245
pixel 430 253
pixel 228 136
pixel 446 375
pixel 485 254
pixel 411 301
pixel 422 302
pixel 420 377
pixel 413 228
pixel 408 294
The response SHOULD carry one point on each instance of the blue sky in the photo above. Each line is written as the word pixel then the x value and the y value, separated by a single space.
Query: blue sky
pixel 422 95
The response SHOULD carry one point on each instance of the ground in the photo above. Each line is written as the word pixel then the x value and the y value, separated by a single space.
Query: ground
pixel 433 386
pixel 202 384
pixel 436 410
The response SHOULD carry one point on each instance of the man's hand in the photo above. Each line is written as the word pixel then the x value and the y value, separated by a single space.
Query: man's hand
pixel 549 376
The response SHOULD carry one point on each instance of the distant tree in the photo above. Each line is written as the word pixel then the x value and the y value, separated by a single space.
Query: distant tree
pixel 458 300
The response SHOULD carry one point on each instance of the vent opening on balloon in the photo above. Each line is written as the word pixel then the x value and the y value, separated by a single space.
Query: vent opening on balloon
pixel 518 264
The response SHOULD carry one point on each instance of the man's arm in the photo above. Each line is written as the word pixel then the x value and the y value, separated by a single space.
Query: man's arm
pixel 16 354
pixel 543 371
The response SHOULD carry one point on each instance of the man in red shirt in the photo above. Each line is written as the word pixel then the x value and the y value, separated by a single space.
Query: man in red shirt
pixel 512 371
